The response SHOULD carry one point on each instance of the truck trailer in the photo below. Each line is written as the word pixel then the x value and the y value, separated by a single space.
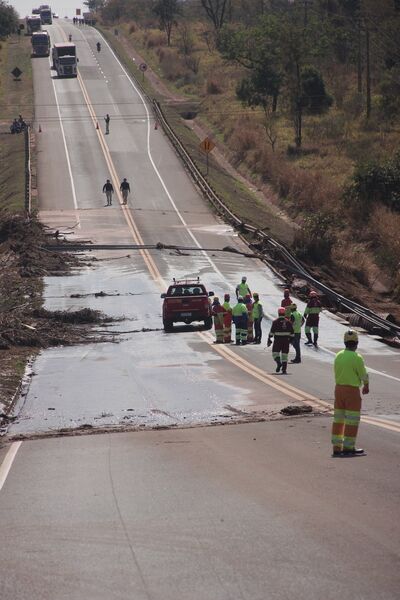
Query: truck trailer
pixel 64 59
pixel 33 23
pixel 40 43
pixel 46 16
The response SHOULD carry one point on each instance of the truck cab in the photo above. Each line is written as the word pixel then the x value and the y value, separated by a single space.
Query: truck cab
pixel 40 43
pixel 64 58
pixel 33 23
pixel 186 301
pixel 45 14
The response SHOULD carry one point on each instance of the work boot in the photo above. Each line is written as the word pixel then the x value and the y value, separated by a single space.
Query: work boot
pixel 353 452
pixel 337 453
pixel 316 340
pixel 309 340
pixel 284 368
pixel 278 364
pixel 237 343
pixel 295 361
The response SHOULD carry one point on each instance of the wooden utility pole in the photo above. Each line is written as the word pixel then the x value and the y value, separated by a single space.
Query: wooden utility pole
pixel 359 57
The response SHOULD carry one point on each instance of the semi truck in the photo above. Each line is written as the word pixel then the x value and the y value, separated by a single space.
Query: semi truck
pixel 45 14
pixel 33 23
pixel 40 43
pixel 64 59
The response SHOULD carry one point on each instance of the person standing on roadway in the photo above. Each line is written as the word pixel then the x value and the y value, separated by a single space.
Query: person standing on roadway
pixel 242 289
pixel 125 189
pixel 108 190
pixel 287 302
pixel 227 319
pixel 239 313
pixel 350 374
pixel 311 313
pixel 250 323
pixel 282 332
pixel 258 314
pixel 297 321
pixel 107 122
pixel 218 314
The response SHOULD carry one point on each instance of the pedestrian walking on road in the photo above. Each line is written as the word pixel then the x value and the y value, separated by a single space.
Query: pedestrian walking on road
pixel 297 321
pixel 282 332
pixel 311 313
pixel 125 189
pixel 258 314
pixel 239 313
pixel 218 314
pixel 107 122
pixel 350 374
pixel 108 190
pixel 242 289
pixel 227 319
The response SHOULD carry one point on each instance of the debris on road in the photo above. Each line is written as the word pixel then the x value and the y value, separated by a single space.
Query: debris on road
pixel 292 410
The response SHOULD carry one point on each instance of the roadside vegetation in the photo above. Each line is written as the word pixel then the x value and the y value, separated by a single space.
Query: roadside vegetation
pixel 304 99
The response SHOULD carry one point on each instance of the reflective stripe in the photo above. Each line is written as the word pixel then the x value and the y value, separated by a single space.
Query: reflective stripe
pixel 282 334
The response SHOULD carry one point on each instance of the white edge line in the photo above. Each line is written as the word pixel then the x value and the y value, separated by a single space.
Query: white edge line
pixel 65 145
pixel 7 462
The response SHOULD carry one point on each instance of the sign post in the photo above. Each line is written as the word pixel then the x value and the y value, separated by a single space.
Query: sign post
pixel 143 68
pixel 207 145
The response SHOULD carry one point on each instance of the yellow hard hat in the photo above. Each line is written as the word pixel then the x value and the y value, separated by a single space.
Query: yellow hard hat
pixel 351 336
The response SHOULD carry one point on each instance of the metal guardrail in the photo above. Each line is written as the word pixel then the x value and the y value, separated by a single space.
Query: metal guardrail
pixel 281 255
pixel 28 172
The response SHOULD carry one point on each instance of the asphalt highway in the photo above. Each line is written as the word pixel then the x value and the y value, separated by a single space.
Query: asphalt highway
pixel 257 510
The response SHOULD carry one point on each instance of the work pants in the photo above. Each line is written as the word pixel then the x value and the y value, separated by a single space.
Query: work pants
pixel 346 417
pixel 296 345
pixel 219 328
pixel 312 324
pixel 257 329
pixel 124 196
pixel 250 331
pixel 240 328
pixel 227 328
pixel 109 197
pixel 280 349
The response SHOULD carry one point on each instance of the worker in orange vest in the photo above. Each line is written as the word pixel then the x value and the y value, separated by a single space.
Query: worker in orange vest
pixel 218 314
pixel 287 302
pixel 227 319
pixel 250 320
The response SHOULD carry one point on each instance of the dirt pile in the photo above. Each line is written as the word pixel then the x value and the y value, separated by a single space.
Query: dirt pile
pixel 25 258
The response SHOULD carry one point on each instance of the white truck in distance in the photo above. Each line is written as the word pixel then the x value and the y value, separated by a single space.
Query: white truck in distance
pixel 64 58
pixel 33 23
pixel 45 14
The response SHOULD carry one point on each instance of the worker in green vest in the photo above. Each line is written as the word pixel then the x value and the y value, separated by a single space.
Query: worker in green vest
pixel 258 313
pixel 242 289
pixel 239 313
pixel 297 320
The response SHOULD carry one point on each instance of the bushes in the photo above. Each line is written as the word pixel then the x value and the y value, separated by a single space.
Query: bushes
pixel 376 183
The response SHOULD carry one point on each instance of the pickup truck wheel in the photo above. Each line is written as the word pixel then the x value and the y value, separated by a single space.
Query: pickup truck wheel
pixel 168 325
pixel 208 323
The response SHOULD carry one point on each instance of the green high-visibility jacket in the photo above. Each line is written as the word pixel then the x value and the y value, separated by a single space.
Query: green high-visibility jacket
pixel 297 321
pixel 350 368
pixel 258 311
pixel 242 290
pixel 239 309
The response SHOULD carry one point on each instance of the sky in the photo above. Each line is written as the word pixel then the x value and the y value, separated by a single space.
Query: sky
pixel 64 8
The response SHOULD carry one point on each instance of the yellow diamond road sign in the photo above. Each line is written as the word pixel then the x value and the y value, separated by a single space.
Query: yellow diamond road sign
pixel 207 145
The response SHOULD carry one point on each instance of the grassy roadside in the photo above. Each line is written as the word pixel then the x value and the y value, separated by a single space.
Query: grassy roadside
pixel 236 194
pixel 16 97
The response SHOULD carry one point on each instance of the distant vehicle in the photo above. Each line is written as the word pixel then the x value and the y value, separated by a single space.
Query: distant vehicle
pixel 89 18
pixel 36 11
pixel 55 16
pixel 46 15
pixel 64 59
pixel 33 23
pixel 185 301
pixel 40 43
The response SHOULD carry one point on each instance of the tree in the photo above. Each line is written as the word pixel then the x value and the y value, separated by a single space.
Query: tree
pixel 217 11
pixel 8 19
pixel 94 5
pixel 167 11
pixel 315 100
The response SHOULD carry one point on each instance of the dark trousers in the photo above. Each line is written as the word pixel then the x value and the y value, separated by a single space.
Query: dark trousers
pixel 296 345
pixel 257 330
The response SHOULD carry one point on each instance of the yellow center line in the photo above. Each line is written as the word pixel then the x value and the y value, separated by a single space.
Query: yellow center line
pixel 224 351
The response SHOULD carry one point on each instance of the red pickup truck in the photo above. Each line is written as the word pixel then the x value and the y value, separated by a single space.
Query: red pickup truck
pixel 186 300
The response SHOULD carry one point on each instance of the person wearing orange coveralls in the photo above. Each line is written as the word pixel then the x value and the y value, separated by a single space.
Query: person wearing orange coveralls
pixel 227 318
pixel 218 314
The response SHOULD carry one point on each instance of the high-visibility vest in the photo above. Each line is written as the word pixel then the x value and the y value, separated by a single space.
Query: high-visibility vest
pixel 257 310
pixel 239 309
pixel 243 290
pixel 296 319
